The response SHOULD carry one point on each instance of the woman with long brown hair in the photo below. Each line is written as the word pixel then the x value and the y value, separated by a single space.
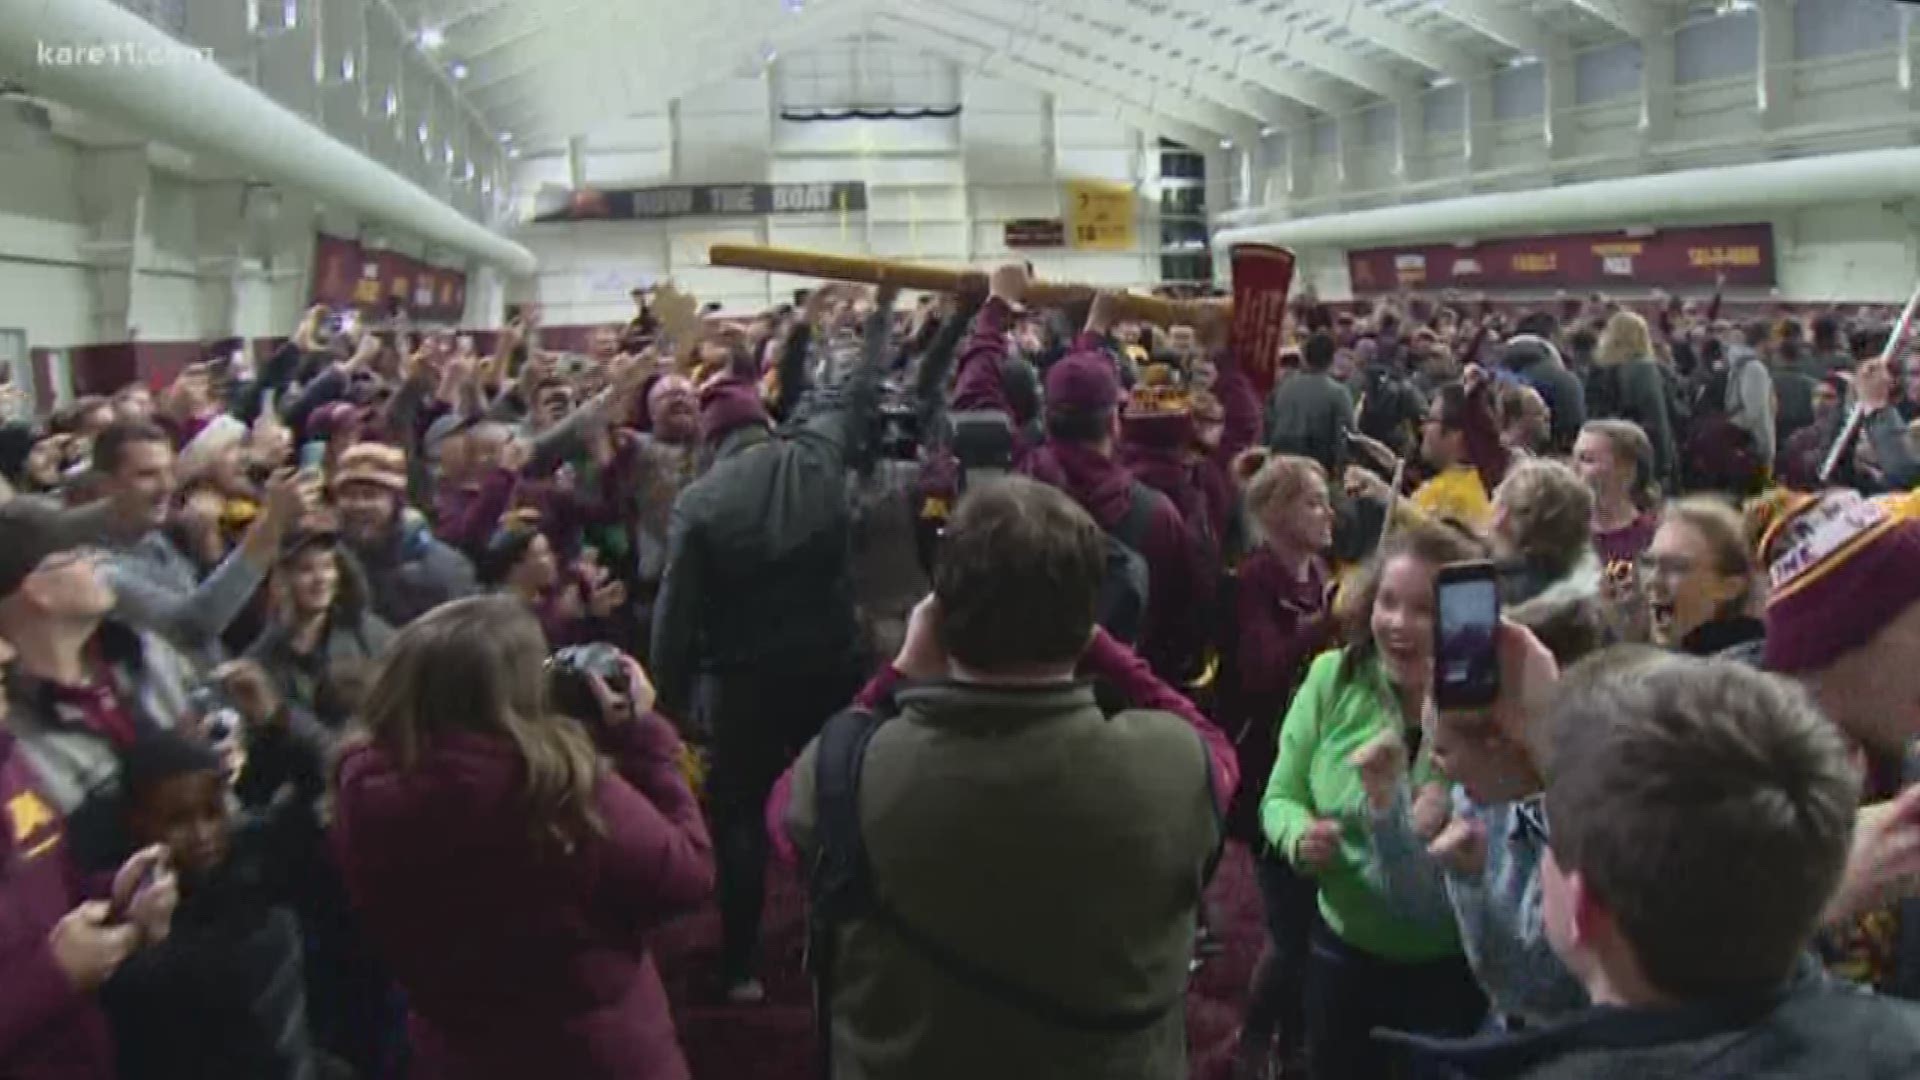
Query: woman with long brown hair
pixel 509 875
pixel 1370 964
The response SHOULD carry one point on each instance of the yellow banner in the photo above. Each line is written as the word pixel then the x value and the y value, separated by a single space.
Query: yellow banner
pixel 1100 215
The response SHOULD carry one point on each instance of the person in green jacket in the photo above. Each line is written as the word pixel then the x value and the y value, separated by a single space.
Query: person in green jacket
pixel 1369 966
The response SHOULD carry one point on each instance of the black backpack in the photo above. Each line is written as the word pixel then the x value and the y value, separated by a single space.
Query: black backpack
pixel 1122 606
pixel 840 889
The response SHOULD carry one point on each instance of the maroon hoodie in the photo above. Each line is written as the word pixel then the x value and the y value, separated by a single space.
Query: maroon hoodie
pixel 48 1029
pixel 516 961
pixel 1175 635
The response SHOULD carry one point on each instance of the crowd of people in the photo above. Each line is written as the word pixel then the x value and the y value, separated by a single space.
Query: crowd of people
pixel 365 714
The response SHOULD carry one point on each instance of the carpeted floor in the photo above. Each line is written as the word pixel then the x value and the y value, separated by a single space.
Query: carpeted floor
pixel 774 1041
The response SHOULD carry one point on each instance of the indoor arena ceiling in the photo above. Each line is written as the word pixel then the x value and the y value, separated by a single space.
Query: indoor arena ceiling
pixel 543 69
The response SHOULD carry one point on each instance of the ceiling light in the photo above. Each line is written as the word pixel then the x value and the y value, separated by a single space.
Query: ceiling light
pixel 290 15
pixel 506 136
pixel 347 67
pixel 1226 144
pixel 513 151
pixel 458 70
pixel 430 38
pixel 392 103
pixel 446 152
pixel 1440 82
pixel 1267 131
pixel 770 55
pixel 422 131
pixel 1522 60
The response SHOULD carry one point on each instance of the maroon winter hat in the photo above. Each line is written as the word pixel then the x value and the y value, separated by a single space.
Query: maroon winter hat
pixel 728 403
pixel 1083 382
pixel 1841 567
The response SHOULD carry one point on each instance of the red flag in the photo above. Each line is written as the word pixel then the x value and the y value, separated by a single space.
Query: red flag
pixel 1262 278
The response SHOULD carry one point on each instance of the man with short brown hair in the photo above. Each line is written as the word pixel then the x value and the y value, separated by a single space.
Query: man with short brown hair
pixel 1698 816
pixel 1059 855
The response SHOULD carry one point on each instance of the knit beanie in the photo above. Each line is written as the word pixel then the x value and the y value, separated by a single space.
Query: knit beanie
pixel 1083 382
pixel 221 434
pixel 728 403
pixel 1841 567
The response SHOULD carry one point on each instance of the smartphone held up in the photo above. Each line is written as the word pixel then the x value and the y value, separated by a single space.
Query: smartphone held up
pixel 1466 636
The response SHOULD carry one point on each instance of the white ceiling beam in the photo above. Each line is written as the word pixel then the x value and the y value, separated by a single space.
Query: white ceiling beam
pixel 1635 18
pixel 1142 62
pixel 574 99
pixel 1194 47
pixel 1021 43
pixel 1217 32
pixel 1396 37
pixel 987 60
pixel 1505 25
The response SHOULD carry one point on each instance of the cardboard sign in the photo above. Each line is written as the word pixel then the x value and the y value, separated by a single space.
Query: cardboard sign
pixel 1262 280
pixel 1100 215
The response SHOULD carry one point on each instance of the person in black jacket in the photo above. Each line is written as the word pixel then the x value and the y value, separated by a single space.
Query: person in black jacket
pixel 223 997
pixel 1534 358
pixel 758 598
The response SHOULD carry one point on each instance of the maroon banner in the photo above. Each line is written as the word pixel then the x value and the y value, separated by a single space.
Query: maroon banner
pixel 1036 232
pixel 347 275
pixel 1668 258
pixel 1262 278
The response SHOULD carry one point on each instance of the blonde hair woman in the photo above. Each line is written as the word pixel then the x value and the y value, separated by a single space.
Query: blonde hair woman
pixel 1282 619
pixel 1627 383
pixel 507 875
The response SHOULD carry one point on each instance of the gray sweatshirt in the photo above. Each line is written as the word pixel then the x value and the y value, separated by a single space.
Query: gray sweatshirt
pixel 159 590
pixel 1498 911
pixel 1750 401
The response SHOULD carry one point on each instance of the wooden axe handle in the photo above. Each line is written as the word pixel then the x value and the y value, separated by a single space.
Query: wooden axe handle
pixel 868 271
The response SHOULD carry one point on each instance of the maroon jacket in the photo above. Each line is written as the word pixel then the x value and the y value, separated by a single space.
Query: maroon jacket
pixel 1282 622
pixel 48 1029
pixel 518 962
pixel 1179 575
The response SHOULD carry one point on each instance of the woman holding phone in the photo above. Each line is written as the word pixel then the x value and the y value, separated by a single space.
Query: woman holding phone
pixel 507 874
pixel 1369 965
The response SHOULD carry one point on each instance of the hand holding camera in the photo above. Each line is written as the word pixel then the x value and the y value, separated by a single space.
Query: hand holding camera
pixel 598 683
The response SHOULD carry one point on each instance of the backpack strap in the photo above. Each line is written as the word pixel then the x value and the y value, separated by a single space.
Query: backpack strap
pixel 842 889
pixel 1131 530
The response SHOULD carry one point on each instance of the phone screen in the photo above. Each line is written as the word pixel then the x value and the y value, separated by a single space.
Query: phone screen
pixel 313 456
pixel 1466 664
pixel 119 907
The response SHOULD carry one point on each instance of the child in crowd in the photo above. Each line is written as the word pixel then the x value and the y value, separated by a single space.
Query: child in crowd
pixel 223 996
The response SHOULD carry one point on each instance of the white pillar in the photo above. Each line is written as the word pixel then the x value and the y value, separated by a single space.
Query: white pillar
pixel 1409 135
pixel 1299 149
pixel 1773 74
pixel 114 183
pixel 1656 90
pixel 1478 137
pixel 1556 120
pixel 1910 54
